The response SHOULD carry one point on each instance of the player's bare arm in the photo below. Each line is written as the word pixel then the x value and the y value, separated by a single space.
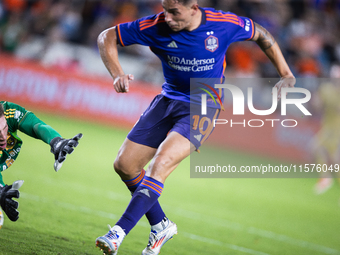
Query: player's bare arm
pixel 270 47
pixel 107 44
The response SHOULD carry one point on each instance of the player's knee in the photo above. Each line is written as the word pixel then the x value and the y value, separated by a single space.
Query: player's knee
pixel 119 166
pixel 124 167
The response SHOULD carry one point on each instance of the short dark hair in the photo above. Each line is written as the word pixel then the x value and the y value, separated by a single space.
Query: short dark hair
pixel 186 2
pixel 2 113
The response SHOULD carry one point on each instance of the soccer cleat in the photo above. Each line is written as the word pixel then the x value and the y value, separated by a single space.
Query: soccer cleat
pixel 110 243
pixel 158 238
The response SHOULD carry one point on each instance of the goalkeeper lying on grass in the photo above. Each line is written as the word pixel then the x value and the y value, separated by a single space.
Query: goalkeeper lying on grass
pixel 13 117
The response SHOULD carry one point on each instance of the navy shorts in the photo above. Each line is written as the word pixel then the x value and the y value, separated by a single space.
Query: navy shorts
pixel 164 115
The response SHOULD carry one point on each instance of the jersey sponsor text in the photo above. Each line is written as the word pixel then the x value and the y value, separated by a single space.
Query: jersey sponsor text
pixel 191 65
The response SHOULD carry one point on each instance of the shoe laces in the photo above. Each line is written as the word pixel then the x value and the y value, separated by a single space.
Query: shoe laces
pixel 110 233
pixel 152 238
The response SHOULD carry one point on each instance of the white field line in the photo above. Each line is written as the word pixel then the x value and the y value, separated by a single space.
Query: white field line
pixel 112 216
pixel 215 221
pixel 222 244
pixel 254 231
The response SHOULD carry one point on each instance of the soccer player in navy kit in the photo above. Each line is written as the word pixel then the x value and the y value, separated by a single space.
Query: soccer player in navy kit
pixel 191 42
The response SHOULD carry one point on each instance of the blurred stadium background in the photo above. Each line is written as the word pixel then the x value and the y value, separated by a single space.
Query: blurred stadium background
pixel 52 44
pixel 49 63
pixel 63 34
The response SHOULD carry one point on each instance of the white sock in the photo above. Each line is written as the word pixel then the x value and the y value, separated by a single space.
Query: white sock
pixel 118 232
pixel 161 225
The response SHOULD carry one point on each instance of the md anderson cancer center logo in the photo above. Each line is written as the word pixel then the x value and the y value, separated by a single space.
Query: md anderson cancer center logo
pixel 191 65
pixel 239 102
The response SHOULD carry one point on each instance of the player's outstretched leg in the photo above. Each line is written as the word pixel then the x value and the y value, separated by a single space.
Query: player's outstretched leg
pixel 159 235
pixel 110 242
pixel 142 200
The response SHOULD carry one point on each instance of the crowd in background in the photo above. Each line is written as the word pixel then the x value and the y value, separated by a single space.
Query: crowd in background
pixel 308 32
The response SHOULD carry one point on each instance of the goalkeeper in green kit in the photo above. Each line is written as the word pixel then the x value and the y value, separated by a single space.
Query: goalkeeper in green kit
pixel 12 118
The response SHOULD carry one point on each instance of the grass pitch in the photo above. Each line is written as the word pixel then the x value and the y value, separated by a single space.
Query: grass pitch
pixel 64 212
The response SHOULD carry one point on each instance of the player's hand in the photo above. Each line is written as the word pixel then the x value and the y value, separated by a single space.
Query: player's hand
pixel 10 206
pixel 60 147
pixel 122 83
pixel 285 82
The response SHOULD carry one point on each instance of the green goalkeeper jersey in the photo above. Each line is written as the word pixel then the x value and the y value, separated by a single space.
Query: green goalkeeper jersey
pixel 18 118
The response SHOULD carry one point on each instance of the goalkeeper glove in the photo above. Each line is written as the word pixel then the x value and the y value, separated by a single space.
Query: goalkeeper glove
pixel 10 206
pixel 60 147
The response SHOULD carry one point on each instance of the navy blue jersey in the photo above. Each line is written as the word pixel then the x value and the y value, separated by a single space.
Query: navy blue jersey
pixel 200 53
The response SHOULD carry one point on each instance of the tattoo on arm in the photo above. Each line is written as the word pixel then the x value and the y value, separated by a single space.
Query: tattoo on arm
pixel 264 39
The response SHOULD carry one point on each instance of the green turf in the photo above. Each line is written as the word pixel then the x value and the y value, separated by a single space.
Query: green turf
pixel 64 212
